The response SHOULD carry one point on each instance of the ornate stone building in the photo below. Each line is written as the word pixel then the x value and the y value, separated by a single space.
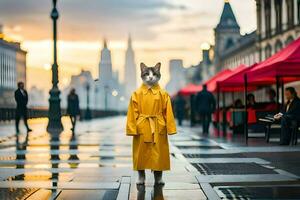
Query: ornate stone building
pixel 277 25
pixel 12 69
pixel 245 51
pixel 227 35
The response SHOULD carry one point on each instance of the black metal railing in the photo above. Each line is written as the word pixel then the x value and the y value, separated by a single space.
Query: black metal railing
pixel 7 114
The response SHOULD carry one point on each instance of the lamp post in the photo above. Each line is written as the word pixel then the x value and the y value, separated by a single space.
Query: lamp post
pixel 54 113
pixel 106 88
pixel 88 115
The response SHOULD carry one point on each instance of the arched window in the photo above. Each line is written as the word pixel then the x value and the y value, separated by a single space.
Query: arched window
pixel 268 51
pixel 229 43
pixel 289 40
pixel 278 46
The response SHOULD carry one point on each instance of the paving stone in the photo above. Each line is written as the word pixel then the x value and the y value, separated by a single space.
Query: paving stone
pixel 232 168
pixel 229 155
pixel 91 164
pixel 262 192
pixel 88 194
pixel 16 193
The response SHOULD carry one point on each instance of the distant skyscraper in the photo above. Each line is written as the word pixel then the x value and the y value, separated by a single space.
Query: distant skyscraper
pixel 130 70
pixel 105 66
pixel 108 90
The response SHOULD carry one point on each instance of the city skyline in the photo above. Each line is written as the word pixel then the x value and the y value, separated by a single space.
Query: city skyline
pixel 154 26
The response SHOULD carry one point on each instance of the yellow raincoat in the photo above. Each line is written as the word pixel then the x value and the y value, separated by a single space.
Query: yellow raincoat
pixel 150 120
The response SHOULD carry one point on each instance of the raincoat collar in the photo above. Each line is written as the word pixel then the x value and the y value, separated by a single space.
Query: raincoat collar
pixel 154 89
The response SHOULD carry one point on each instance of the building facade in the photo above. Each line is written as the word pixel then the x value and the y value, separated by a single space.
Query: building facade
pixel 277 25
pixel 227 35
pixel 245 51
pixel 177 76
pixel 12 70
pixel 109 92
pixel 84 85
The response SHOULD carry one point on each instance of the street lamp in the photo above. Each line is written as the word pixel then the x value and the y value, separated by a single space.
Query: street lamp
pixel 106 88
pixel 88 111
pixel 54 113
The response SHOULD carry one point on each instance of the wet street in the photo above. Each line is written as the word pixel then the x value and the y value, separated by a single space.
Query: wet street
pixel 95 163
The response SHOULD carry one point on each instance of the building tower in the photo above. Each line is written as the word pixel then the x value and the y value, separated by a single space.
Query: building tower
pixel 130 70
pixel 105 66
pixel 227 34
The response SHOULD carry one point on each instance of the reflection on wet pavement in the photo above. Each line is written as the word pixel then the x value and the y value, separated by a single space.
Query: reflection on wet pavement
pixel 95 163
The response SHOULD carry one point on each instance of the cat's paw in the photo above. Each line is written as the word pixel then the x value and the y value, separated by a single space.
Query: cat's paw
pixel 140 182
pixel 159 182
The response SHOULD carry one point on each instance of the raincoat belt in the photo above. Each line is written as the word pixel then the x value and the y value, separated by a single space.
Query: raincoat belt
pixel 153 123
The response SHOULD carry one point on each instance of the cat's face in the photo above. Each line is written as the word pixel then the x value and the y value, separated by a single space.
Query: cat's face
pixel 150 75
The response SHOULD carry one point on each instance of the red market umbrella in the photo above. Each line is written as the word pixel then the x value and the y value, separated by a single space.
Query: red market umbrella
pixel 285 64
pixel 235 82
pixel 190 89
pixel 212 82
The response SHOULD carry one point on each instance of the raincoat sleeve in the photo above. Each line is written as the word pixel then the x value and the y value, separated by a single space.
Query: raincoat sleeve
pixel 132 115
pixel 169 117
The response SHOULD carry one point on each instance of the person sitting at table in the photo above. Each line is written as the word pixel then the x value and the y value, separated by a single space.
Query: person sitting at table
pixel 251 100
pixel 238 104
pixel 289 115
pixel 272 103
pixel 272 95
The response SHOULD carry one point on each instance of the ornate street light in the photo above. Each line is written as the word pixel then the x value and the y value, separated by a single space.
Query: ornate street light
pixel 54 113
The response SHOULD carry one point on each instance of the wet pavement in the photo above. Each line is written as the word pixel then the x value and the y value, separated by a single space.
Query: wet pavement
pixel 95 163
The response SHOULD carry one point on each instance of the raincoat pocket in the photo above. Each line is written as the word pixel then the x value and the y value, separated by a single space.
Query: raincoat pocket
pixel 142 127
pixel 162 128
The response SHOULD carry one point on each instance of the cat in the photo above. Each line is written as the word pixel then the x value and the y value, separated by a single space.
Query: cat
pixel 150 75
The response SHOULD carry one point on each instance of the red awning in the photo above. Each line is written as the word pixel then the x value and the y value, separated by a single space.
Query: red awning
pixel 284 64
pixel 212 82
pixel 235 81
pixel 190 89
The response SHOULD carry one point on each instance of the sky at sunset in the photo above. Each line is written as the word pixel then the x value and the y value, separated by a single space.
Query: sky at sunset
pixel 161 30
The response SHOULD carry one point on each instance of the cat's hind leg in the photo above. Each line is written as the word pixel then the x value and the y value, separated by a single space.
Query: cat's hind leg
pixel 158 178
pixel 141 177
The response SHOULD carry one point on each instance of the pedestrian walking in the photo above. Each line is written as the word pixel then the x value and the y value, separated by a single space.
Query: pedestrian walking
pixel 73 107
pixel 206 105
pixel 180 107
pixel 21 98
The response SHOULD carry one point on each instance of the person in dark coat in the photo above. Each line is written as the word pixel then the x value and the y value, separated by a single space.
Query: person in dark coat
pixel 180 108
pixel 289 115
pixel 206 105
pixel 251 102
pixel 192 109
pixel 73 107
pixel 21 98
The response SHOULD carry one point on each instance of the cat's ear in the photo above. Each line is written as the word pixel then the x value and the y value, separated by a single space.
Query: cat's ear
pixel 143 66
pixel 157 66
